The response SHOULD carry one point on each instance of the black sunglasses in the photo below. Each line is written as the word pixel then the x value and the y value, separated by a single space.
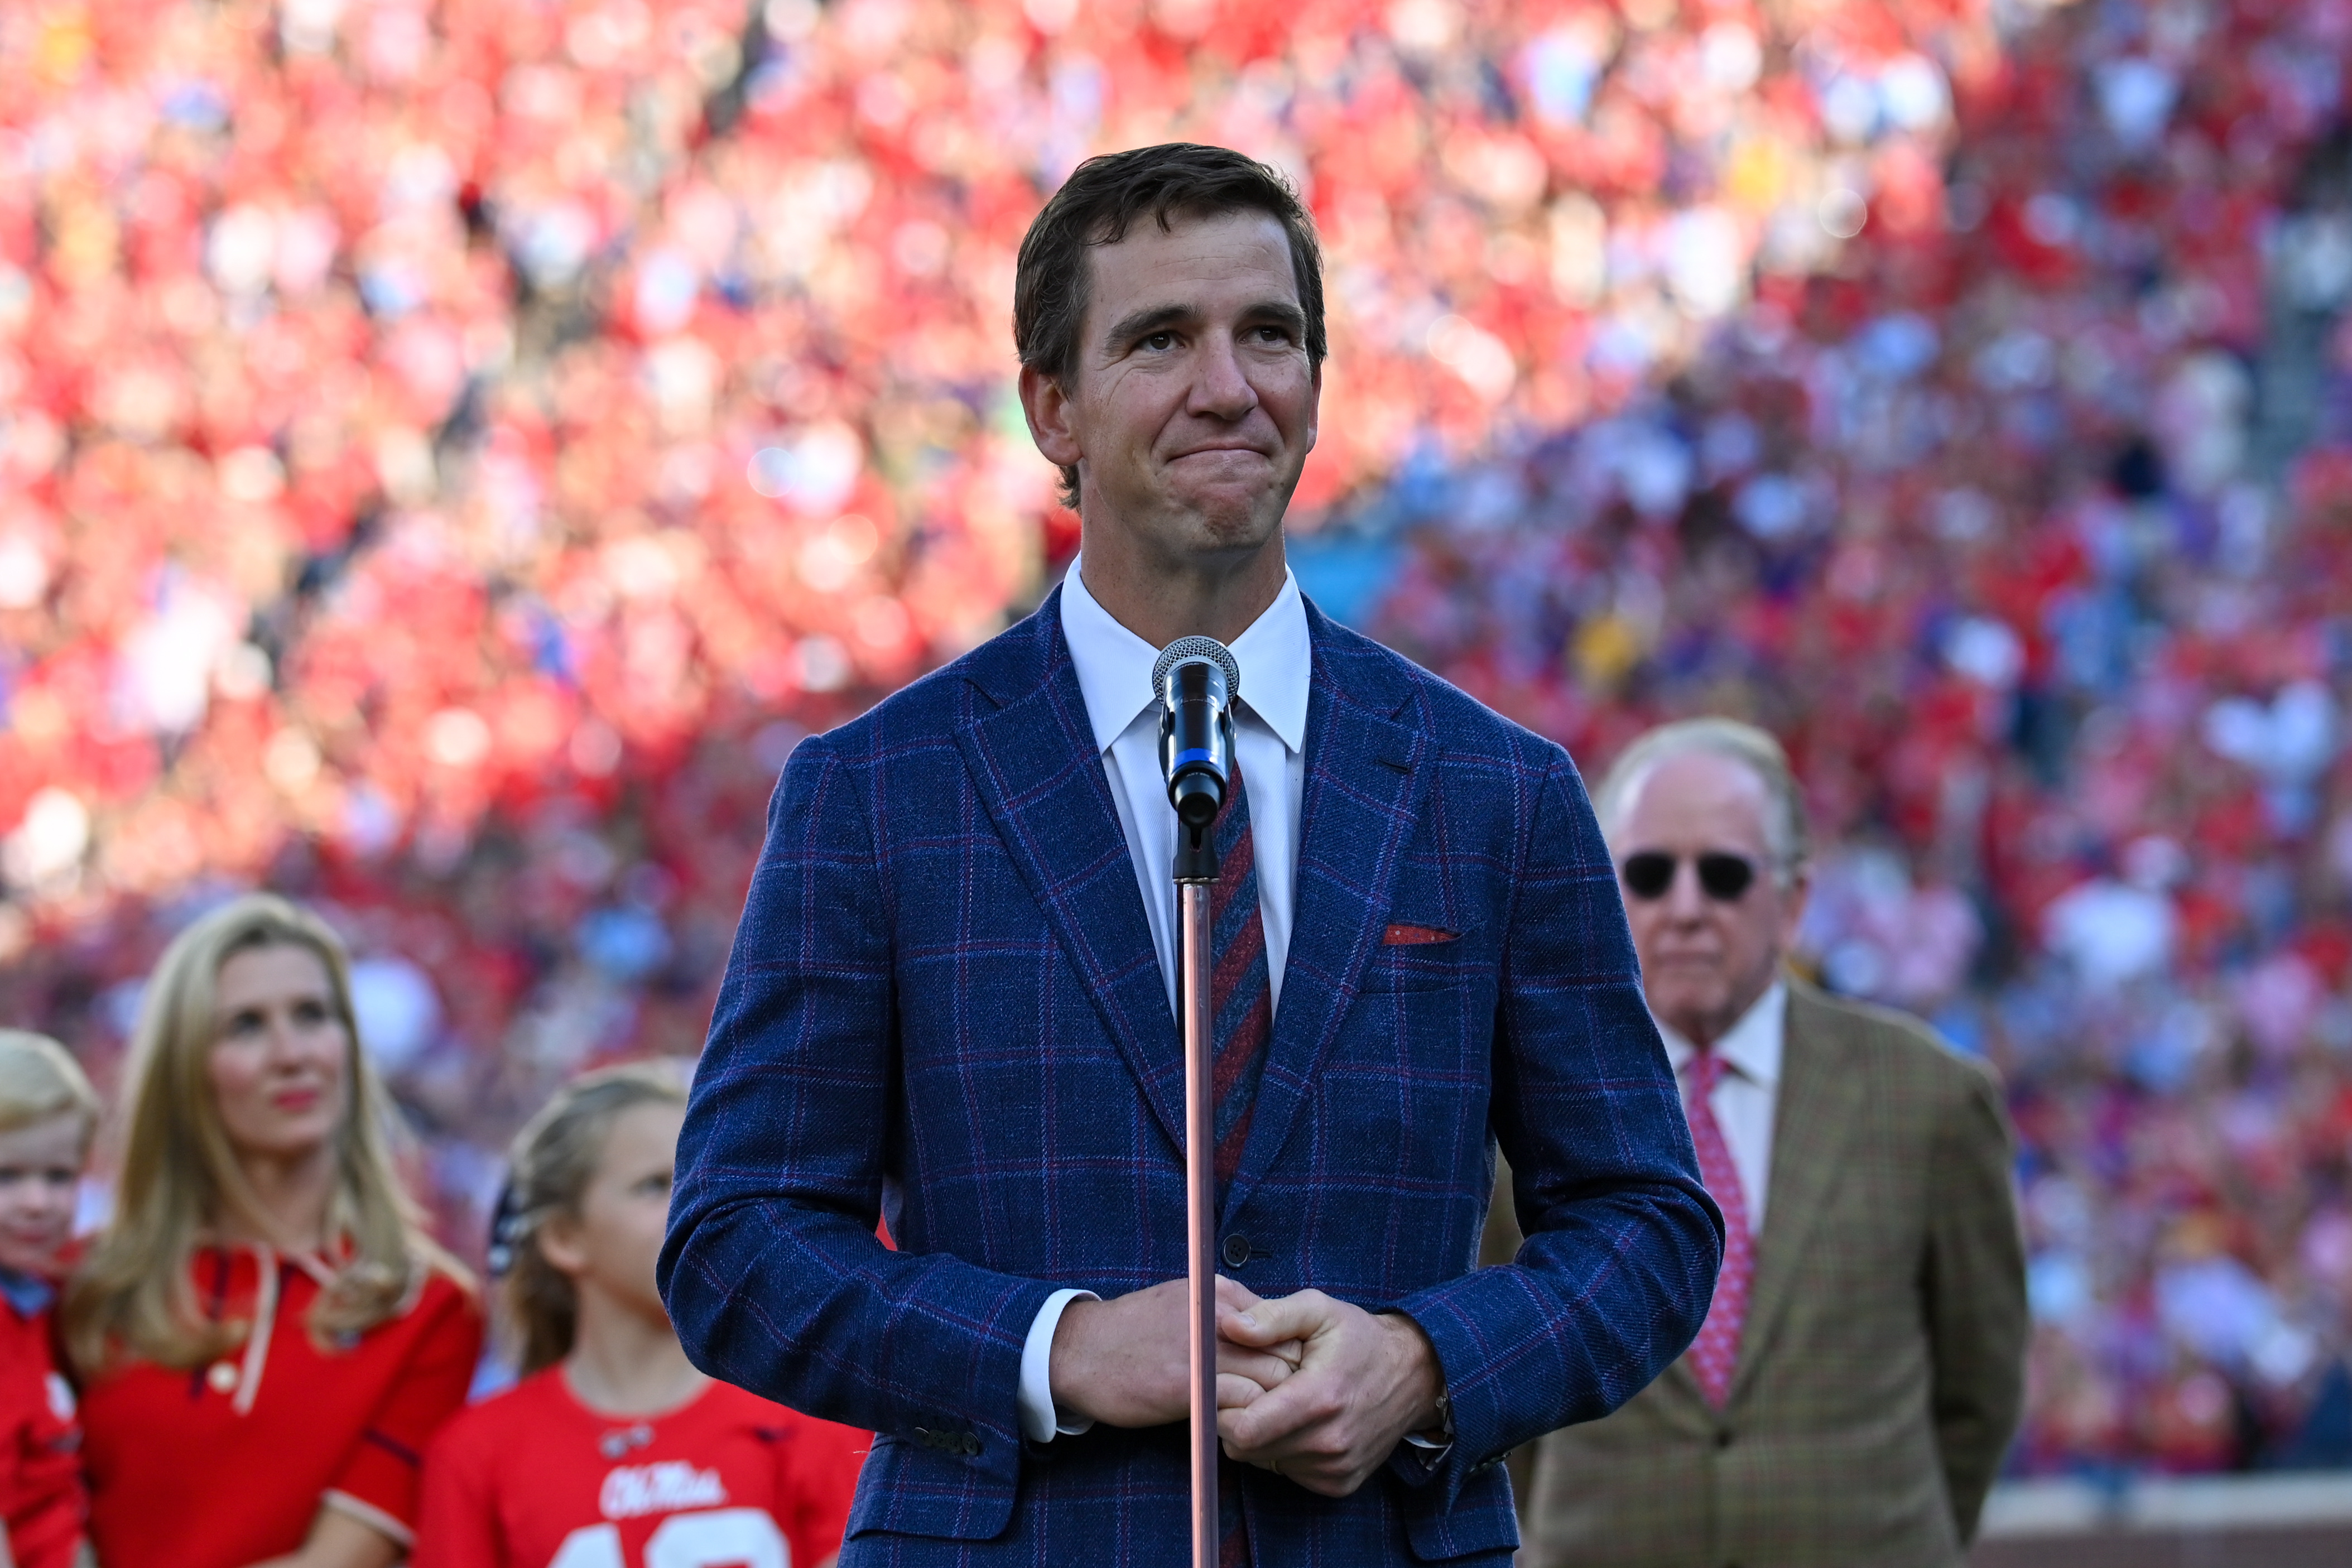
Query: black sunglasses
pixel 1724 876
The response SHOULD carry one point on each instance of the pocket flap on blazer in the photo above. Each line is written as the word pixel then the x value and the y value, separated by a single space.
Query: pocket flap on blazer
pixel 908 1490
pixel 1406 936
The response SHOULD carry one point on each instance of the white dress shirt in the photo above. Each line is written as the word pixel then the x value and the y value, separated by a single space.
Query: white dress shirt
pixel 1747 1095
pixel 1114 667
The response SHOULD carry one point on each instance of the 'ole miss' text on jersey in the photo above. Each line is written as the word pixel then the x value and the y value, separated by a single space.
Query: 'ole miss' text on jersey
pixel 533 1479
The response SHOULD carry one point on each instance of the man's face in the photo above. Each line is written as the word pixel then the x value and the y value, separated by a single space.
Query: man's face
pixel 1193 406
pixel 1704 959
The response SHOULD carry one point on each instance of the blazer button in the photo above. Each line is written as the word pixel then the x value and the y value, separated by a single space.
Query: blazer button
pixel 970 1444
pixel 1237 1251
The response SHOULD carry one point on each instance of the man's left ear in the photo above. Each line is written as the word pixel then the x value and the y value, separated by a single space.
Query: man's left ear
pixel 1047 408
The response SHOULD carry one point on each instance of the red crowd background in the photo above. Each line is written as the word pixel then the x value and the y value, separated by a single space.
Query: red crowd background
pixel 450 451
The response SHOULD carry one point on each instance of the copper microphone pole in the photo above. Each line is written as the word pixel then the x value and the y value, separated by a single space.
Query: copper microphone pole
pixel 1197 679
pixel 1201 1202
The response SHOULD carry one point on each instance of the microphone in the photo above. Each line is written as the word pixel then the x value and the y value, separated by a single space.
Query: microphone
pixel 1196 682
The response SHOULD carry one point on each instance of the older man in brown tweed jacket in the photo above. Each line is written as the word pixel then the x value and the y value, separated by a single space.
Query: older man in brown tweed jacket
pixel 1861 1366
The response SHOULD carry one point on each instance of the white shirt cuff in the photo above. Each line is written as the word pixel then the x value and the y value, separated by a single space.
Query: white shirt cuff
pixel 1039 1422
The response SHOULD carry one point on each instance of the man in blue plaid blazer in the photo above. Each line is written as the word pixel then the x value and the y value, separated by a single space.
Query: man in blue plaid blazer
pixel 948 1008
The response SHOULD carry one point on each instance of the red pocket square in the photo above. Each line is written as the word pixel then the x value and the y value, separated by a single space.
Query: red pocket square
pixel 1416 936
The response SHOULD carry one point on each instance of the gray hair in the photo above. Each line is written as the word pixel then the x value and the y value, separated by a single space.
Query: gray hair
pixel 1751 748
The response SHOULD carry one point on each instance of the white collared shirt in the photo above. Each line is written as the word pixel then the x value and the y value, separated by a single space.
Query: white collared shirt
pixel 1269 740
pixel 1114 669
pixel 1747 1095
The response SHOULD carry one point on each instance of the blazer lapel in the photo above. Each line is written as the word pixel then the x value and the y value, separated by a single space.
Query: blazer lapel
pixel 1678 1385
pixel 1367 774
pixel 1034 762
pixel 1822 1097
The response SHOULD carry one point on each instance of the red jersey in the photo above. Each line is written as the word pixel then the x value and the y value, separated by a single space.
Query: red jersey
pixel 533 1479
pixel 227 1464
pixel 41 1498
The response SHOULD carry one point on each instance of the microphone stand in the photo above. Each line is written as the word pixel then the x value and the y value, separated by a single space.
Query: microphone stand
pixel 1196 679
pixel 1196 877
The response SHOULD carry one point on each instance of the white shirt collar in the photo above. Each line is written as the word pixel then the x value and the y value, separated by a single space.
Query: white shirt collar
pixel 1114 665
pixel 1752 1046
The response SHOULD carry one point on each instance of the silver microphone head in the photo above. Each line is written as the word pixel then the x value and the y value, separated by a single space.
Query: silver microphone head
pixel 1183 648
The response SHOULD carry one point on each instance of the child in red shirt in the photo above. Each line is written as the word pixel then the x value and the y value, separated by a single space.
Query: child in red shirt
pixel 613 1451
pixel 47 1112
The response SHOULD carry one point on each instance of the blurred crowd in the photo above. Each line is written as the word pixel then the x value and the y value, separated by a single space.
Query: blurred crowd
pixel 451 450
pixel 2029 526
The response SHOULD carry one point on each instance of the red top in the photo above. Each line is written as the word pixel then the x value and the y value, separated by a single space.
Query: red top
pixel 533 1479
pixel 227 1464
pixel 41 1497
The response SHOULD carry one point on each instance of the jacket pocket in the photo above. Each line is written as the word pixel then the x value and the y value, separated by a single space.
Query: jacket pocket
pixel 906 1490
pixel 1411 957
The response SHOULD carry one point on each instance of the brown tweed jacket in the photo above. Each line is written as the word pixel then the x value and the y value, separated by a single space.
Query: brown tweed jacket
pixel 1882 1365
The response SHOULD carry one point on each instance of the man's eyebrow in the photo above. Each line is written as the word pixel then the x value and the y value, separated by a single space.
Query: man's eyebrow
pixel 1142 323
pixel 1281 311
pixel 1152 319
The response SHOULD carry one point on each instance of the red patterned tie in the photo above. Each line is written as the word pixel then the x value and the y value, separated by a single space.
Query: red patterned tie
pixel 1715 1352
pixel 1240 991
pixel 1242 996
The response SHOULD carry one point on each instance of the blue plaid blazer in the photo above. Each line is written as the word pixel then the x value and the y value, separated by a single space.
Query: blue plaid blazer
pixel 944 1009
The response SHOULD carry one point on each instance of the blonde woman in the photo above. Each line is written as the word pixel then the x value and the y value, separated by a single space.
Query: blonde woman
pixel 267 1338
pixel 613 1451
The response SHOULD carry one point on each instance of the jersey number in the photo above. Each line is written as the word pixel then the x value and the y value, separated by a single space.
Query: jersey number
pixel 722 1538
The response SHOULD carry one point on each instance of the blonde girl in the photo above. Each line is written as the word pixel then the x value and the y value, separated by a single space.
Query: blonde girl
pixel 613 1451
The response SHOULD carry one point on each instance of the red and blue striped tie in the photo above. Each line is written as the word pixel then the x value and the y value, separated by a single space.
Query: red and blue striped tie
pixel 1241 997
pixel 1240 993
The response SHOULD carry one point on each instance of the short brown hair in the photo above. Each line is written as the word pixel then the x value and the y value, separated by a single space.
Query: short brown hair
pixel 1096 206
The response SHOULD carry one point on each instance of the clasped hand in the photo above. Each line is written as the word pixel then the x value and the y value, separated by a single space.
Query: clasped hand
pixel 1309 1386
